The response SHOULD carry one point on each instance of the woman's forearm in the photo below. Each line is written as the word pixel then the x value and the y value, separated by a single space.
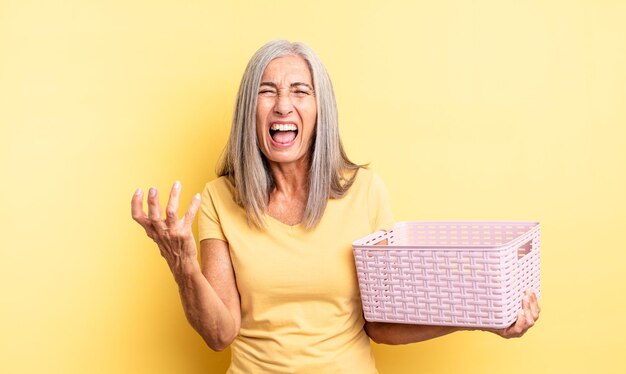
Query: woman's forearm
pixel 204 309
pixel 396 333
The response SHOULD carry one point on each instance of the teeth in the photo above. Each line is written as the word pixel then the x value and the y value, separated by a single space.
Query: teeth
pixel 284 127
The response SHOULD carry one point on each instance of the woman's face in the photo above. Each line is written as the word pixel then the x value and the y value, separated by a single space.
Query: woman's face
pixel 286 111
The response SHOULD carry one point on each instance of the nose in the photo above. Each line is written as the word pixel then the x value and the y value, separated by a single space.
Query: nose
pixel 283 105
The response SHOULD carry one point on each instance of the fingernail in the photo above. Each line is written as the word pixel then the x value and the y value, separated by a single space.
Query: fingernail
pixel 526 299
pixel 177 185
pixel 152 191
pixel 196 196
pixel 138 192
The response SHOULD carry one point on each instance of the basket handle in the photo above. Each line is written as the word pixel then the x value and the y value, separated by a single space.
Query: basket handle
pixel 376 238
pixel 382 238
pixel 525 249
pixel 382 242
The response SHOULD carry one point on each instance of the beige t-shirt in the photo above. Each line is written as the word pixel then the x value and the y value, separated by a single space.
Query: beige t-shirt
pixel 300 303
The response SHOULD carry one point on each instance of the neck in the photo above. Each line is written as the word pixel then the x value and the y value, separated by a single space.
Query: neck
pixel 291 179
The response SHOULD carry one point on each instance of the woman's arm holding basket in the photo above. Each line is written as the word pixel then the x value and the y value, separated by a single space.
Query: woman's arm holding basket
pixel 397 333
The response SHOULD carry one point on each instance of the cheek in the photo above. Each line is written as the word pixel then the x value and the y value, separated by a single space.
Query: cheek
pixel 259 133
pixel 261 118
pixel 264 106
pixel 309 114
pixel 259 112
pixel 311 123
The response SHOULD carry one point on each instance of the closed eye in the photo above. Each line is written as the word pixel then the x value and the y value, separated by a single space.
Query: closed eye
pixel 301 93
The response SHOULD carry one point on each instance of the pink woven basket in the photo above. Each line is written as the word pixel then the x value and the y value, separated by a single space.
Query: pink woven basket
pixel 448 273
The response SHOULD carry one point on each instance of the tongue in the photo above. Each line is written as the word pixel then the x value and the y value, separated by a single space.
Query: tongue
pixel 284 136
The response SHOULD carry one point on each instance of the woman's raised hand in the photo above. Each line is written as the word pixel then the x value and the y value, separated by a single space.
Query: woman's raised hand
pixel 173 235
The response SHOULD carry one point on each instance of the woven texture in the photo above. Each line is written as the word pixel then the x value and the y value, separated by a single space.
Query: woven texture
pixel 448 273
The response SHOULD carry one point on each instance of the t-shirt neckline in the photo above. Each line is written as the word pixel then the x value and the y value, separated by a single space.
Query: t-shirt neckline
pixel 277 223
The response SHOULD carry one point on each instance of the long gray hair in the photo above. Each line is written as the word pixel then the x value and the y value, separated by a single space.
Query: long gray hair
pixel 331 173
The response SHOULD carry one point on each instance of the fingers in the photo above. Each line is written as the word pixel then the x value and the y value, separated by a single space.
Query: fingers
pixel 136 208
pixel 154 210
pixel 529 319
pixel 526 317
pixel 193 209
pixel 518 328
pixel 153 219
pixel 153 223
pixel 521 325
pixel 534 305
pixel 171 211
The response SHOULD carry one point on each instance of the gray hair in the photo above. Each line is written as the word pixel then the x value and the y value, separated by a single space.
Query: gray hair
pixel 331 173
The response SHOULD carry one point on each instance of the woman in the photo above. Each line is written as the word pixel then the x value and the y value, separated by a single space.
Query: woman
pixel 277 278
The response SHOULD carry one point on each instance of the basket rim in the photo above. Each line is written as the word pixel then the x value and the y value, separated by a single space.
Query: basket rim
pixel 357 244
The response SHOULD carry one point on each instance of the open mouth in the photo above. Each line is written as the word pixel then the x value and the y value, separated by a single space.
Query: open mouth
pixel 283 133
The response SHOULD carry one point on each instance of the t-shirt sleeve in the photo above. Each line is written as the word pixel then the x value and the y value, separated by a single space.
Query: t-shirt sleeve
pixel 381 216
pixel 209 226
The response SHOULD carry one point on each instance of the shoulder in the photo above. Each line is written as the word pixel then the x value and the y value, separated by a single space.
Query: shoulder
pixel 219 191
pixel 366 179
pixel 219 186
pixel 364 183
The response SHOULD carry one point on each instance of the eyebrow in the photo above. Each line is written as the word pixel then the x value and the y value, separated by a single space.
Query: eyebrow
pixel 294 84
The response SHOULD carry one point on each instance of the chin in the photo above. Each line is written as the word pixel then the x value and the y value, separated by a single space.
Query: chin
pixel 286 157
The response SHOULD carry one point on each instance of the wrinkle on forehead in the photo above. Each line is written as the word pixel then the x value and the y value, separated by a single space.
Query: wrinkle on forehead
pixel 287 71
pixel 294 84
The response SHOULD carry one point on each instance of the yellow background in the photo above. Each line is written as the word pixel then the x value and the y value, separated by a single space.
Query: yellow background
pixel 498 110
